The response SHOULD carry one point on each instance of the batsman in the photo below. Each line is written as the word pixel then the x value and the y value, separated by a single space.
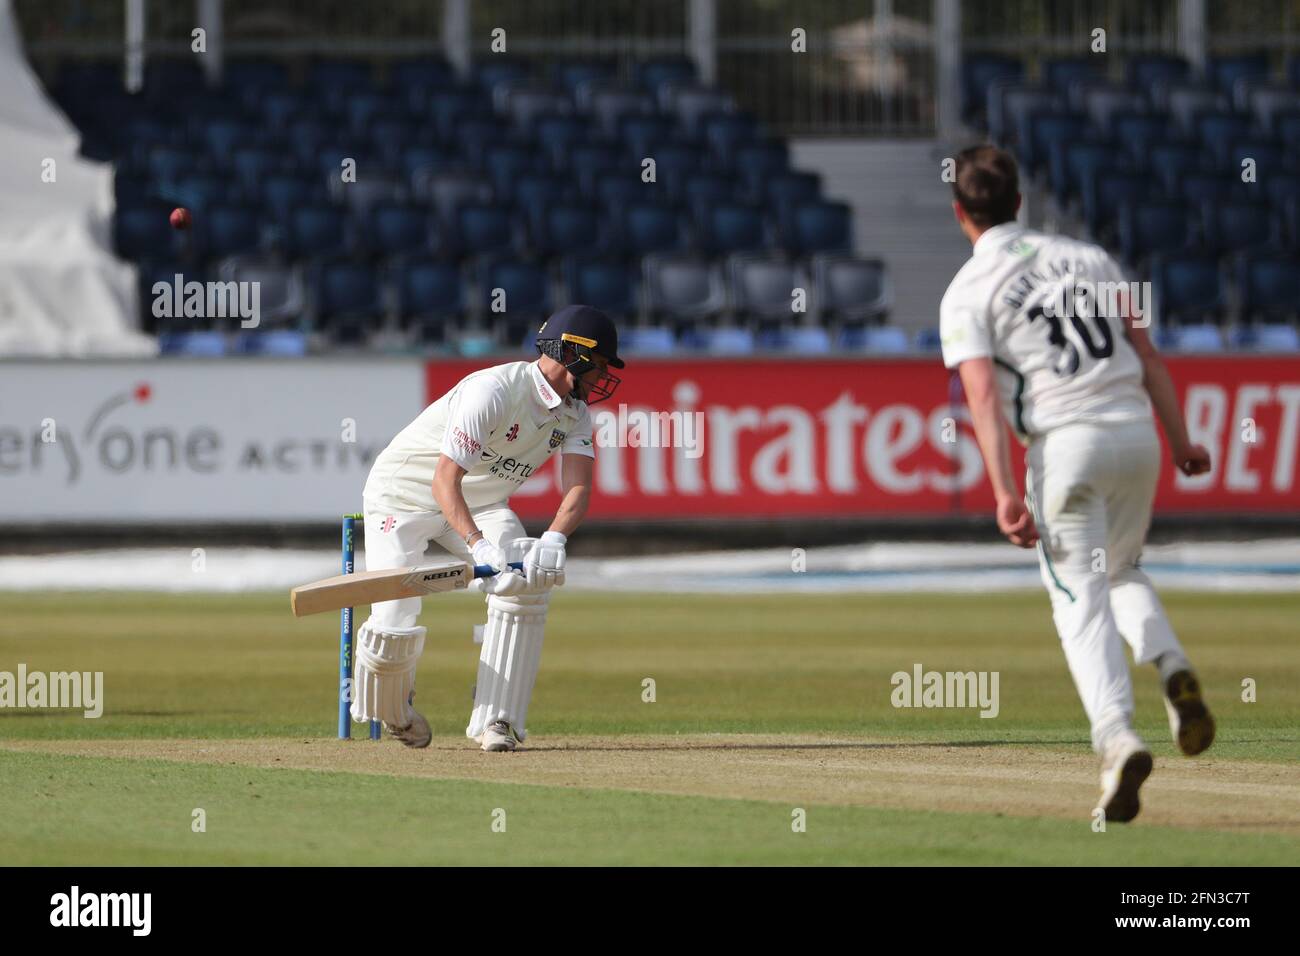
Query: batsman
pixel 446 480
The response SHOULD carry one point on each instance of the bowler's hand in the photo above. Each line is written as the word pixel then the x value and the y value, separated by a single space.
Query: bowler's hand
pixel 1015 521
pixel 1192 459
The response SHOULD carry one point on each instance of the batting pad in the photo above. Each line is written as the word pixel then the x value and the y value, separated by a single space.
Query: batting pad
pixel 384 674
pixel 508 662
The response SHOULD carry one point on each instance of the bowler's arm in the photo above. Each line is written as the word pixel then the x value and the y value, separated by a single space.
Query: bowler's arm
pixel 1190 459
pixel 991 431
pixel 575 477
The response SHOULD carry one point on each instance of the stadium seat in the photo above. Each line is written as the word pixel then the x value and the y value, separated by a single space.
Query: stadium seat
pixel 281 343
pixel 588 163
pixel 282 193
pixel 1225 71
pixel 483 228
pixel 1146 71
pixel 724 133
pixel 1104 105
pixel 449 190
pixel 144 231
pixel 430 296
pixel 1196 339
pixel 801 340
pixel 1237 226
pixel 878 340
pixel 424 73
pixel 1106 191
pixel 228 229
pixel 281 289
pixel 1071 165
pixel 534 192
pixel 395 228
pixel 702 190
pixel 317 230
pixel 1060 74
pixel 784 191
pixel 1169 162
pixel 193 344
pixel 569 226
pixel 929 340
pixel 1269 286
pixel 724 340
pixel 426 160
pixel 650 227
pixel 504 164
pixel 1150 225
pixel 1188 287
pixel 1219 130
pixel 1269 159
pixel 757 162
pixel 1042 129
pixel 526 105
pixel 819 227
pixel 681 287
pixel 1185 103
pixel 609 107
pixel 372 187
pixel 341 74
pixel 979 72
pixel 732 227
pixel 557 134
pixel 346 289
pixel 762 287
pixel 1199 187
pixel 652 75
pixel 606 284
pixel 1011 107
pixel 851 290
pixel 170 163
pixel 498 71
pixel 450 107
pixel 692 104
pixel 1140 132
pixel 526 294
pixel 253 164
pixel 573 75
pixel 644 341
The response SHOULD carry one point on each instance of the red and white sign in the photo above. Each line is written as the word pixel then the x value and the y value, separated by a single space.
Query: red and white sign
pixel 890 438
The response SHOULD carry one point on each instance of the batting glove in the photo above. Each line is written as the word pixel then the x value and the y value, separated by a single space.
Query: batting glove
pixel 544 563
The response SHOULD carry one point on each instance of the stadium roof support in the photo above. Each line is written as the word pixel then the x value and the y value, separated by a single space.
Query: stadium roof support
pixel 1191 31
pixel 702 38
pixel 947 68
pixel 456 44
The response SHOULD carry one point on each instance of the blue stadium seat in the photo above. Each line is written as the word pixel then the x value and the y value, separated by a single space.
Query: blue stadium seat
pixel 194 344
pixel 785 190
pixel 1060 74
pixel 1169 162
pixel 1269 285
pixel 693 104
pixel 504 164
pixel 590 162
pixel 732 227
pixel 397 228
pixel 282 343
pixel 449 190
pixel 724 133
pixel 1147 70
pixel 643 133
pixel 616 190
pixel 339 74
pixel 557 134
pixel 1140 133
pixel 803 340
pixel 757 162
pixel 282 193
pixel 428 159
pixel 1104 104
pixel 346 287
pixel 572 75
pixel 317 230
pixel 525 105
pixel 527 290
pixel 253 164
pixel 450 107
pixel 1188 287
pixel 929 340
pixel 702 190
pixel 850 289
pixel 1010 109
pixel 652 75
pixel 878 340
pixel 607 284
pixel 144 231
pixel 199 191
pixel 609 106
pixel 1267 103
pixel 230 228
pixel 392 134
pixel 484 228
pixel 169 163
pixel 645 341
pixel 425 73
pixel 1226 71
pixel 1236 226
pixel 1186 103
pixel 497 71
pixel 373 186
pixel 1195 339
pixel 1269 158
pixel 724 340
pixel 569 226
pixel 674 164
pixel 819 227
pixel 363 105
pixel 1107 190
pixel 1219 130
pixel 1199 187
pixel 1071 164
pixel 979 72
pixel 533 192
pixel 477 135
pixel 1152 225
pixel 1042 129
pixel 1276 338
pixel 430 295
pixel 650 227
pixel 680 287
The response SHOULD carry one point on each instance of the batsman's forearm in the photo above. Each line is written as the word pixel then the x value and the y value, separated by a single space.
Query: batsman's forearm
pixel 991 433
pixel 572 510
pixel 1155 377
pixel 451 502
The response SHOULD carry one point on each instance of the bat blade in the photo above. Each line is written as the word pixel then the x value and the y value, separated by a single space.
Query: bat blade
pixel 368 587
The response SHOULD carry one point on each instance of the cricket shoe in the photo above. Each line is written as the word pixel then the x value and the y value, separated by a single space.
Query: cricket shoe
pixel 415 734
pixel 1189 718
pixel 1125 765
pixel 499 736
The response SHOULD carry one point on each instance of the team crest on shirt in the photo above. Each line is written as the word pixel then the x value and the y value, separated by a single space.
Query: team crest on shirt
pixel 513 433
pixel 557 437
pixel 388 524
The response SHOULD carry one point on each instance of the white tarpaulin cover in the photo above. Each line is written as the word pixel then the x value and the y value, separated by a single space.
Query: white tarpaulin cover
pixel 62 291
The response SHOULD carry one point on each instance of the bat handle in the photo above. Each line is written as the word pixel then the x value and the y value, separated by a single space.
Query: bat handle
pixel 485 570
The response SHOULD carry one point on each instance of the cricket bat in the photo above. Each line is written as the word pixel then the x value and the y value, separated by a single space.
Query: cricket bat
pixel 367 587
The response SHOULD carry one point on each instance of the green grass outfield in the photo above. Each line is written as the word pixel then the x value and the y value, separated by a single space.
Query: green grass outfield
pixel 241 670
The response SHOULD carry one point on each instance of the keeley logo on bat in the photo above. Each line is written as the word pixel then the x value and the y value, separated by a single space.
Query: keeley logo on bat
pixel 426 577
pixel 134 910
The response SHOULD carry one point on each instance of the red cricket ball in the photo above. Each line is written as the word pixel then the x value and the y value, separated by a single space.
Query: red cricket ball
pixel 180 218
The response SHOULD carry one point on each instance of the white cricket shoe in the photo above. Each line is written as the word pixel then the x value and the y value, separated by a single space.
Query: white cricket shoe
pixel 1125 765
pixel 498 737
pixel 415 734
pixel 1189 719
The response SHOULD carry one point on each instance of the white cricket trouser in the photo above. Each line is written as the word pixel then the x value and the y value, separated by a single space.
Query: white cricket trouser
pixel 1090 488
pixel 402 539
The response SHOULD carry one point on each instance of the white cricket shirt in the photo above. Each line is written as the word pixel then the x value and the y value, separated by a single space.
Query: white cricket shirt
pixel 1059 359
pixel 500 424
